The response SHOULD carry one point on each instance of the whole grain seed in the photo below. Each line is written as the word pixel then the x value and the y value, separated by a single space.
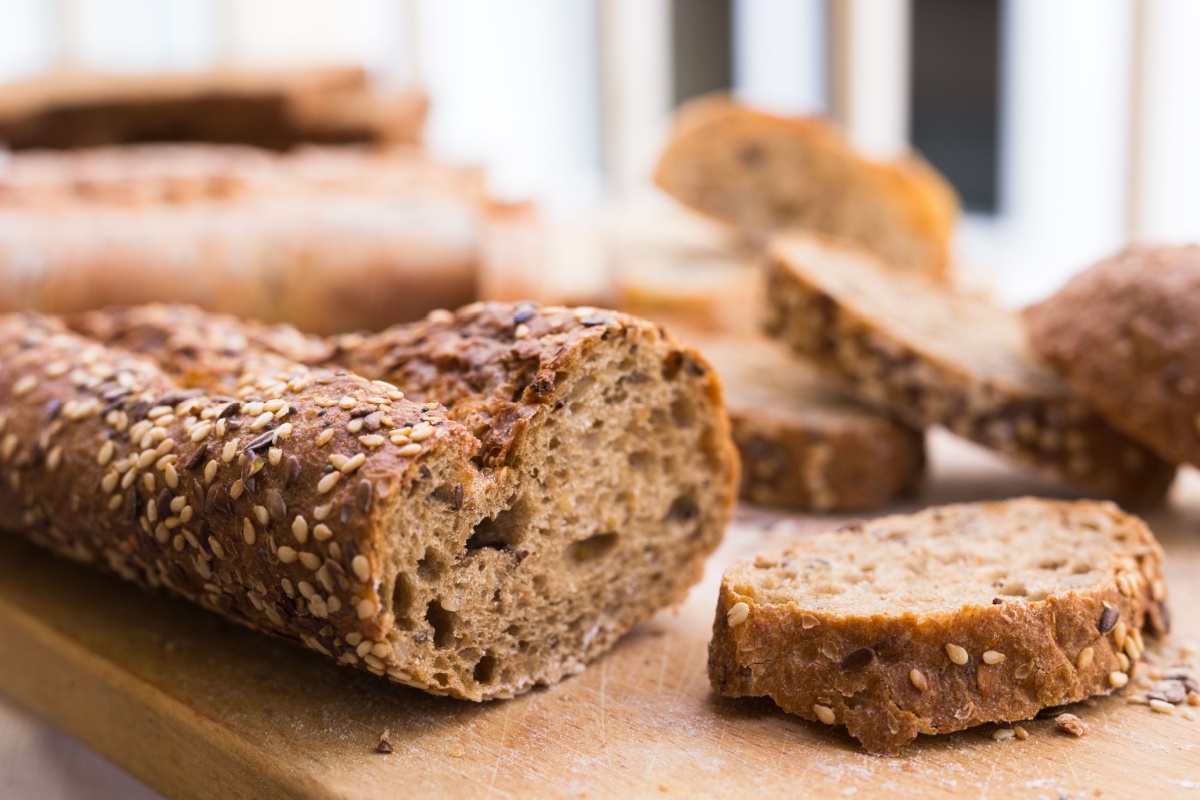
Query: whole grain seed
pixel 311 561
pixel 409 450
pixel 24 385
pixel 321 532
pixel 128 478
pixel 218 551
pixel 327 484
pixel 824 713
pixel 286 554
pixel 324 437
pixel 1108 619
pixel 918 679
pixel 283 431
pixel 1004 734
pixel 210 471
pixel 1020 732
pixel 54 458
pixel 1085 658
pixel 201 431
pixel 261 514
pixel 957 654
pixel 353 463
pixel 992 657
pixel 1123 661
pixel 107 450
pixel 1161 706
pixel 229 451
pixel 237 488
pixel 322 511
pixel 274 456
pixel 300 529
pixel 1117 679
pixel 248 532
pixel 737 614
pixel 361 567
pixel 221 428
pixel 1119 633
pixel 365 608
pixel 422 432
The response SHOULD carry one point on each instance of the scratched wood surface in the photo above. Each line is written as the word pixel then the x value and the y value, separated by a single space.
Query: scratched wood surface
pixel 197 708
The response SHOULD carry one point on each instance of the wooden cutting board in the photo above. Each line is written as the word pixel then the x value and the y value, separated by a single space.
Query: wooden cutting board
pixel 197 707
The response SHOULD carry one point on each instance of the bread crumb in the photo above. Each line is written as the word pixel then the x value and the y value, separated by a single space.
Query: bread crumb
pixel 1021 733
pixel 456 752
pixel 1004 734
pixel 1071 724
pixel 384 746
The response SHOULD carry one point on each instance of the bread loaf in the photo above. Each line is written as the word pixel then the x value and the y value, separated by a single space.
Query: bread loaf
pixel 1123 335
pixel 329 239
pixel 766 173
pixel 573 483
pixel 930 356
pixel 942 620
pixel 274 109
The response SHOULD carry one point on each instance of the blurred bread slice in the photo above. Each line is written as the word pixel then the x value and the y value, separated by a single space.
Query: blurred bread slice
pixel 765 173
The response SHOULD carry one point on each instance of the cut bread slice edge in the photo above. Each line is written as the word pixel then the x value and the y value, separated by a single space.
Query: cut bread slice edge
pixel 942 620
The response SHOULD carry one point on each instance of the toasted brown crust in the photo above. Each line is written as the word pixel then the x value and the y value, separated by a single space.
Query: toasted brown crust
pixel 804 444
pixel 991 390
pixel 1123 335
pixel 903 210
pixel 425 499
pixel 801 658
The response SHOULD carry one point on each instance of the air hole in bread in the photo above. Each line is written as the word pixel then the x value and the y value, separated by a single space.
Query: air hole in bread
pixel 660 421
pixel 485 669
pixel 402 601
pixel 1015 589
pixel 592 547
pixel 499 531
pixel 641 459
pixel 554 443
pixel 442 622
pixel 683 412
pixel 1053 563
pixel 683 509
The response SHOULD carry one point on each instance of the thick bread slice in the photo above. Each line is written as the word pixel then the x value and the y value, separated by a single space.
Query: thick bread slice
pixel 930 356
pixel 765 173
pixel 1123 334
pixel 942 620
pixel 804 444
pixel 590 480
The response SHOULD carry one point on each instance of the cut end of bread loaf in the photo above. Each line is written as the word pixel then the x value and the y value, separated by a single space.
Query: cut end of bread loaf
pixel 765 173
pixel 942 620
pixel 602 512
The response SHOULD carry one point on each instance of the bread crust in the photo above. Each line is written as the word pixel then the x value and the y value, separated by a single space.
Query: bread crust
pixel 63 400
pixel 905 210
pixel 801 657
pixel 1123 335
pixel 994 392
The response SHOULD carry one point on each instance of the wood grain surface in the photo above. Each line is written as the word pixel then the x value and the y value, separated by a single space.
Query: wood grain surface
pixel 198 708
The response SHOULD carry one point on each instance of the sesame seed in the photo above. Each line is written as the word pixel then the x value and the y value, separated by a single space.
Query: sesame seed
pixel 107 450
pixel 1162 706
pixel 918 679
pixel 399 439
pixel 283 431
pixel 1085 658
pixel 300 529
pixel 24 385
pixel 152 510
pixel 337 459
pixel 365 608
pixel 824 713
pixel 361 567
pixel 353 638
pixel 171 476
pixel 158 411
pixel 1117 679
pixel 145 459
pixel 201 431
pixel 352 464
pixel 54 458
pixel 354 425
pixel 261 421
pixel 8 446
pixel 737 614
pixel 325 436
pixel 1004 734
pixel 993 657
pixel 274 455
pixel 128 479
pixel 1123 661
pixel 248 532
pixel 237 488
pixel 322 511
pixel 422 432
pixel 218 551
pixel 306 589
pixel 318 606
pixel 286 554
pixel 252 409
pixel 164 447
pixel 372 441
pixel 262 515
pixel 321 532
pixel 957 654
pixel 115 502
pixel 221 428
pixel 409 450
pixel 521 331
pixel 311 561
pixel 109 482
pixel 1021 733
pixel 449 604
pixel 326 484
pixel 185 514
pixel 1119 633
pixel 348 403
pixel 210 471
pixel 229 451
pixel 274 405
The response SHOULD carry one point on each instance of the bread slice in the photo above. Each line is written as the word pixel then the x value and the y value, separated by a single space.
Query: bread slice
pixel 1123 335
pixel 766 173
pixel 942 620
pixel 804 444
pixel 930 356
pixel 573 483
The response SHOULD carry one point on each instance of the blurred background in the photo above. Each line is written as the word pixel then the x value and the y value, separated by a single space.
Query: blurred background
pixel 1068 127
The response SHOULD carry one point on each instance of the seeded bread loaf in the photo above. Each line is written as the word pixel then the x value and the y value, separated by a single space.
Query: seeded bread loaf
pixel 942 620
pixel 930 356
pixel 805 445
pixel 1123 335
pixel 275 109
pixel 766 173
pixel 474 550
pixel 329 239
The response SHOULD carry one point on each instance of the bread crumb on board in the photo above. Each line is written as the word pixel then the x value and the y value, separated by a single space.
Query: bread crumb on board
pixel 384 746
pixel 1071 724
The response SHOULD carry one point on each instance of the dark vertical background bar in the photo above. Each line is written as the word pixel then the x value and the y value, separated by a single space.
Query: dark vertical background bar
pixel 955 93
pixel 701 46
